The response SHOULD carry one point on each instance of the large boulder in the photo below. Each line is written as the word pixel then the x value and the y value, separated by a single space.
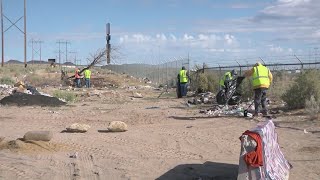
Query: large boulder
pixel 76 127
pixel 38 136
pixel 117 126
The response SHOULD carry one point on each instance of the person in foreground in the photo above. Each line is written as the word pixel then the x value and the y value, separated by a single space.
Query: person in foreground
pixel 261 80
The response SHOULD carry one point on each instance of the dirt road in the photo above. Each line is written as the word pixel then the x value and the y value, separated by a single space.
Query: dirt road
pixel 166 140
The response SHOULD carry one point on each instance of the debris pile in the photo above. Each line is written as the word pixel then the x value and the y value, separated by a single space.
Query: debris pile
pixel 203 98
pixel 236 110
pixel 22 94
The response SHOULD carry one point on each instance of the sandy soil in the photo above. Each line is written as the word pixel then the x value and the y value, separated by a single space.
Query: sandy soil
pixel 166 140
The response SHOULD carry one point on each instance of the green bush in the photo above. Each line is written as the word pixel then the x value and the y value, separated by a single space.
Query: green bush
pixel 68 96
pixel 306 85
pixel 7 80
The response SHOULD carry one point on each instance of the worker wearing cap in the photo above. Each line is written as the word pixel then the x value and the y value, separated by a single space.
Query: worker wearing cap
pixel 261 80
pixel 227 77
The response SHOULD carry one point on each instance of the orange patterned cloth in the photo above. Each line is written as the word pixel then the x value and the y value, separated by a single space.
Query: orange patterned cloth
pixel 254 158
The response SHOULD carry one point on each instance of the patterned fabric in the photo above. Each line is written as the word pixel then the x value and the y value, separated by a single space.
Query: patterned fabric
pixel 276 167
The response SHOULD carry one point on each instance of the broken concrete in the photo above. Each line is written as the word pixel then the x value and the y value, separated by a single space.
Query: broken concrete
pixel 78 128
pixel 38 136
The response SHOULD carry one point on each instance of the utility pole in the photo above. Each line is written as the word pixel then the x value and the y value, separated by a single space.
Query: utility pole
pixel 67 50
pixel 108 46
pixel 2 40
pixel 25 36
pixel 14 24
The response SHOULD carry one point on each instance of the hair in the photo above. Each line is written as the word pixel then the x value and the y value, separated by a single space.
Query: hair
pixel 183 68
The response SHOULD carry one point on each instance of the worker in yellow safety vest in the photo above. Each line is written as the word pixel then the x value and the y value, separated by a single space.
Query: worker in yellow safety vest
pixel 227 77
pixel 87 77
pixel 183 78
pixel 261 80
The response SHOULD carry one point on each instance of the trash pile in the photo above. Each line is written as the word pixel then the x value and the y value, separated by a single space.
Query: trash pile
pixel 225 110
pixel 26 95
pixel 203 98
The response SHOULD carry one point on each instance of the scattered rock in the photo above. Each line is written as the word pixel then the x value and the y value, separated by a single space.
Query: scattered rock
pixel 38 136
pixel 76 127
pixel 117 126
pixel 137 95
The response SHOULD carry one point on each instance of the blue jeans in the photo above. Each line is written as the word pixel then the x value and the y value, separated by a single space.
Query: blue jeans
pixel 183 87
pixel 87 82
pixel 77 80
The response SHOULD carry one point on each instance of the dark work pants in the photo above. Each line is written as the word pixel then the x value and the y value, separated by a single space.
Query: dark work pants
pixel 260 97
pixel 183 87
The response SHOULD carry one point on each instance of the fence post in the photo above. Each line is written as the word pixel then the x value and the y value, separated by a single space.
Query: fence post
pixel 300 62
pixel 239 66
pixel 203 68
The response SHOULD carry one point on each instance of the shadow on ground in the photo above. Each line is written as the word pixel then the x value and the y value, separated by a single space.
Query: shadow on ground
pixel 205 171
pixel 193 117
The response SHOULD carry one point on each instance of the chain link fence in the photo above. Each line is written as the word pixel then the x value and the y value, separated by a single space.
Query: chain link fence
pixel 162 74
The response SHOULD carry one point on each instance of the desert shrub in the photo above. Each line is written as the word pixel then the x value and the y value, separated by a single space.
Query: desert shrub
pixel 202 83
pixel 213 82
pixel 68 96
pixel 304 86
pixel 6 80
pixel 246 90
pixel 312 107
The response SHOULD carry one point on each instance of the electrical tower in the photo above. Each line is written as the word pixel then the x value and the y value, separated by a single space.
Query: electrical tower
pixel 14 24
pixel 61 52
pixel 36 50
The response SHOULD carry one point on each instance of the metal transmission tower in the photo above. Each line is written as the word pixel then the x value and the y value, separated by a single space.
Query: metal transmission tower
pixel 76 61
pixel 61 52
pixel 14 24
pixel 108 46
pixel 36 50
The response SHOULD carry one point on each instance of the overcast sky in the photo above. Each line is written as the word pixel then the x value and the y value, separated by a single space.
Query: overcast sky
pixel 150 31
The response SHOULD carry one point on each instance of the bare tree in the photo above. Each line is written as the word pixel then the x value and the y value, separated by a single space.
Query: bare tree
pixel 99 58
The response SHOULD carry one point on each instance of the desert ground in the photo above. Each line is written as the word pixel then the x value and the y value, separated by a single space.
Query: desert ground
pixel 166 139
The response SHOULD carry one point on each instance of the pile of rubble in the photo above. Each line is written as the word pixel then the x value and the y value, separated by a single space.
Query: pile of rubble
pixel 225 110
pixel 203 98
pixel 25 95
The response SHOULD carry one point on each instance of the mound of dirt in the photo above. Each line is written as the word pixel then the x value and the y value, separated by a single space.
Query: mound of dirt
pixel 22 99
pixel 31 146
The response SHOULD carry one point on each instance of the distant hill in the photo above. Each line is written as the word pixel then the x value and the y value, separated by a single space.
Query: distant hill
pixel 12 61
pixel 69 64
pixel 37 62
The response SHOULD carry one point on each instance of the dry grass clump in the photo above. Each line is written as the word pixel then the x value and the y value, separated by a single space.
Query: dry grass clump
pixel 312 107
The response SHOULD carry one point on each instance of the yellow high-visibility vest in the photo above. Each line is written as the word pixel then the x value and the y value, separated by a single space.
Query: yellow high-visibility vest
pixel 223 79
pixel 87 74
pixel 260 76
pixel 183 76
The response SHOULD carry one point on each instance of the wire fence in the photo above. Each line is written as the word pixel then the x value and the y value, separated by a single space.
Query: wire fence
pixel 164 73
